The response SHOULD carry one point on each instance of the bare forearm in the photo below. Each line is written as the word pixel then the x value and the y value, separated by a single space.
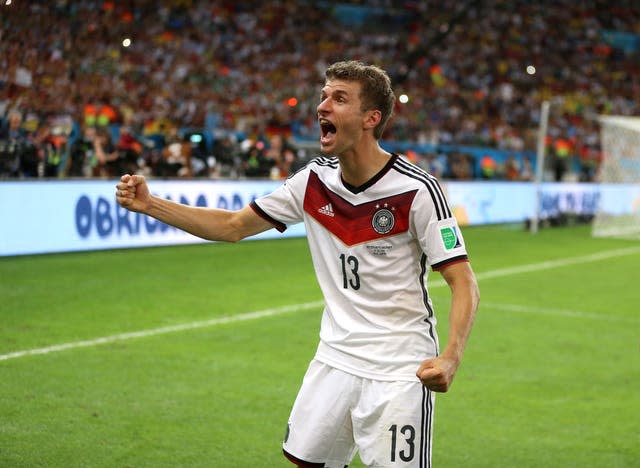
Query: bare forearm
pixel 465 297
pixel 206 223
pixel 437 373
pixel 464 305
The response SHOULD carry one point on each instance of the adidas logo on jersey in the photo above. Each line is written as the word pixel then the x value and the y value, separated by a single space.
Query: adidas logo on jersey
pixel 327 210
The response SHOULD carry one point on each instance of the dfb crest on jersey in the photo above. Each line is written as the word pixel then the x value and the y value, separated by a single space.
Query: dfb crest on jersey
pixel 383 221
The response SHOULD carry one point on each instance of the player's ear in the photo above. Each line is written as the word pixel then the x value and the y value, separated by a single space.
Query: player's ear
pixel 372 119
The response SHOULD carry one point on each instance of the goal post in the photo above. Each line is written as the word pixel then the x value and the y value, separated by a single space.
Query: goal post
pixel 540 159
pixel 618 213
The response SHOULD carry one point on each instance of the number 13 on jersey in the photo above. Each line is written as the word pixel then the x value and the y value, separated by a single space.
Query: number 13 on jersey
pixel 350 275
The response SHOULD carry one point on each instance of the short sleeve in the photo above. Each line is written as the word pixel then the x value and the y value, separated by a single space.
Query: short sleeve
pixel 284 206
pixel 437 232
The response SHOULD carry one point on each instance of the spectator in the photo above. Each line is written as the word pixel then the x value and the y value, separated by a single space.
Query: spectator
pixel 256 164
pixel 512 168
pixel 109 158
pixel 590 158
pixel 560 158
pixel 18 156
pixel 130 150
pixel 225 159
pixel 289 162
pixel 51 146
pixel 82 160
pixel 461 166
pixel 488 167
pixel 176 157
pixel 526 174
pixel 13 130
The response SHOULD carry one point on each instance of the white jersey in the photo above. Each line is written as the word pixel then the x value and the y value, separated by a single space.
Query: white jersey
pixel 372 247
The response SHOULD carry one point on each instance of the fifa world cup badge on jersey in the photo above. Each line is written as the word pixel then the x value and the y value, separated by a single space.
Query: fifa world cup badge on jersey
pixel 383 221
pixel 450 238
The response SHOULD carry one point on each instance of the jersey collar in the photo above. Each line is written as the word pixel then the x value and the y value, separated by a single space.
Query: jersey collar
pixel 374 179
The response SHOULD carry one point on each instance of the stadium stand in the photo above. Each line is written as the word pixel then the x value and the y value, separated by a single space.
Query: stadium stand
pixel 229 76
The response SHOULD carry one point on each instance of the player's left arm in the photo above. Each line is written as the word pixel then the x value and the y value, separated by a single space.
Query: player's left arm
pixel 437 374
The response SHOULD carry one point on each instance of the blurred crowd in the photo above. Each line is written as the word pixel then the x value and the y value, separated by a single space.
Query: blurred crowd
pixel 189 88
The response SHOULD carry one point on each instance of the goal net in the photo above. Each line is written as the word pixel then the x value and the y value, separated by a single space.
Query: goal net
pixel 618 213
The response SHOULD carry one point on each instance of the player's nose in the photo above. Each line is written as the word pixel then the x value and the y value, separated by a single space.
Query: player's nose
pixel 324 107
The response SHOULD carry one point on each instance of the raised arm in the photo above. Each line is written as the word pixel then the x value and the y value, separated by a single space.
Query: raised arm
pixel 437 374
pixel 216 224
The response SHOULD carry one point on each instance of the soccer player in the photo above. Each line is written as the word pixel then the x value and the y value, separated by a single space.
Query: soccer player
pixel 375 225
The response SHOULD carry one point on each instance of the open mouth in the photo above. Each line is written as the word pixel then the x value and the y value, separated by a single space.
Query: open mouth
pixel 327 131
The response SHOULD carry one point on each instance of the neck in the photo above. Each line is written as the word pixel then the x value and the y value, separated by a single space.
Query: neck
pixel 360 165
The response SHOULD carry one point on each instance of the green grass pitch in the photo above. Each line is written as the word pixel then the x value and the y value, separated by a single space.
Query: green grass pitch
pixel 551 376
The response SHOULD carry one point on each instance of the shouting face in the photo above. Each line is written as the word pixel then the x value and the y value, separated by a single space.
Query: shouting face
pixel 341 117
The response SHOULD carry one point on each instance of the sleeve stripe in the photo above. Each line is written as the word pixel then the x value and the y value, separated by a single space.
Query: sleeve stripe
pixel 281 227
pixel 449 261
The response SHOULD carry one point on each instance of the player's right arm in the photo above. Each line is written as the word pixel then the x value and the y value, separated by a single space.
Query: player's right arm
pixel 215 224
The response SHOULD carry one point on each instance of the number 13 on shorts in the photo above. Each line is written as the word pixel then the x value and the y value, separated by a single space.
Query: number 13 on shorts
pixel 337 413
pixel 407 416
pixel 409 435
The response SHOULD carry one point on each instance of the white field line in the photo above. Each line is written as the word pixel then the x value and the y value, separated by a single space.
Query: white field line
pixel 527 268
pixel 163 330
pixel 560 262
pixel 548 265
pixel 581 314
